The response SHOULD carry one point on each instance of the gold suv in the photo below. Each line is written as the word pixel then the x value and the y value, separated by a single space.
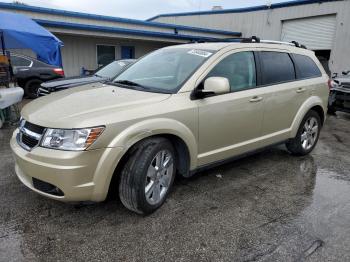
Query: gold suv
pixel 175 111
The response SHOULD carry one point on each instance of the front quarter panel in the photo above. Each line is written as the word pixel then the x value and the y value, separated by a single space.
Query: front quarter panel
pixel 157 126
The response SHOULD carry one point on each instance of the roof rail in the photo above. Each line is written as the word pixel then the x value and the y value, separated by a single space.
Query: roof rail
pixel 293 43
pixel 253 39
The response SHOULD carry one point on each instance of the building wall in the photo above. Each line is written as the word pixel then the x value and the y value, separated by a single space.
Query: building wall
pixel 267 24
pixel 80 51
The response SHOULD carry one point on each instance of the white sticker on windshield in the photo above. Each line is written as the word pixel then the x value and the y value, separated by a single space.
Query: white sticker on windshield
pixel 200 53
pixel 121 63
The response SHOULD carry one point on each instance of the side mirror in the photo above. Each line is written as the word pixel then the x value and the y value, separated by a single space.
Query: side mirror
pixel 212 86
pixel 217 85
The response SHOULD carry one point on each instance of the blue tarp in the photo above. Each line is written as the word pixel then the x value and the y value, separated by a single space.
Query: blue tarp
pixel 21 32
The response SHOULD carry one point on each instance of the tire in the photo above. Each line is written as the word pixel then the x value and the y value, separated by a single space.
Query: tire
pixel 331 110
pixel 140 182
pixel 306 139
pixel 31 88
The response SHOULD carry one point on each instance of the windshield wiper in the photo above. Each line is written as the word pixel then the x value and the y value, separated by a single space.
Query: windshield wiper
pixel 128 83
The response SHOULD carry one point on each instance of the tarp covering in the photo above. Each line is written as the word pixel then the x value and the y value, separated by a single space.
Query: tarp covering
pixel 20 32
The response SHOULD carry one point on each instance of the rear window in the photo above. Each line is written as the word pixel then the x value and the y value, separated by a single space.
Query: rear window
pixel 276 67
pixel 306 67
pixel 20 61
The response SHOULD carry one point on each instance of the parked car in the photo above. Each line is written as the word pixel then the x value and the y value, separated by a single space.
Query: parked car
pixel 105 73
pixel 177 110
pixel 30 73
pixel 339 97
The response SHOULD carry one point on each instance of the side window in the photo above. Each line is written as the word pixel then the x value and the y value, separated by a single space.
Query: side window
pixel 276 67
pixel 20 61
pixel 239 69
pixel 306 67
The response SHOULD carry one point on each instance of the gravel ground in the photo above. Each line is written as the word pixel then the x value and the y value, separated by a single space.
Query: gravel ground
pixel 267 207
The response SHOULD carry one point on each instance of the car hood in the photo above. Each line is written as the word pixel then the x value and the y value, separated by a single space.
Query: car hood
pixel 71 82
pixel 89 105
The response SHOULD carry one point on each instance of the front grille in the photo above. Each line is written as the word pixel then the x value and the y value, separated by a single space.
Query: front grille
pixel 34 128
pixel 29 135
pixel 29 141
pixel 46 187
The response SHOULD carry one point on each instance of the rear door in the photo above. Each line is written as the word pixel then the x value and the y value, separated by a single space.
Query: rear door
pixel 284 95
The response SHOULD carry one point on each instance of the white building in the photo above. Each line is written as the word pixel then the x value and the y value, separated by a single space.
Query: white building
pixel 93 40
pixel 321 25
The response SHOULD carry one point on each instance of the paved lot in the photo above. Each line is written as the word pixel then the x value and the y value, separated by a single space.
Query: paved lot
pixel 267 207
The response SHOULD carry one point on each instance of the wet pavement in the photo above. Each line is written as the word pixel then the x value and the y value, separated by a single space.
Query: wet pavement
pixel 267 207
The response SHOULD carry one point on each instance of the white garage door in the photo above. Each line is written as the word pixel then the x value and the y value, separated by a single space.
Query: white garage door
pixel 317 33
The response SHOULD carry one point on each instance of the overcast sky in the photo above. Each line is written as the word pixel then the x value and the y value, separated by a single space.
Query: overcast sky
pixel 142 9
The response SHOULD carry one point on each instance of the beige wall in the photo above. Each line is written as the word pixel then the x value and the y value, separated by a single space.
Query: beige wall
pixel 267 24
pixel 80 51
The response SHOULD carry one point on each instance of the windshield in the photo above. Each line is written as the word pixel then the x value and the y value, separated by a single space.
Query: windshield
pixel 112 70
pixel 164 70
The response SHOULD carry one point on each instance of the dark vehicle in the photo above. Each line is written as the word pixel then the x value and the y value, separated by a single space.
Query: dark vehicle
pixel 339 97
pixel 105 73
pixel 30 73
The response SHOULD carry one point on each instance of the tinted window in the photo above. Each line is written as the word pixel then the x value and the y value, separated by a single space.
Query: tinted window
pixel 239 69
pixel 306 67
pixel 19 61
pixel 276 67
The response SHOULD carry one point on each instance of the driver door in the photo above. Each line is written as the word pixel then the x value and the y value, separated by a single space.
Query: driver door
pixel 230 124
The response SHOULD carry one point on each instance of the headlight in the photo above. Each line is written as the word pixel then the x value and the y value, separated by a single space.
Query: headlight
pixel 70 139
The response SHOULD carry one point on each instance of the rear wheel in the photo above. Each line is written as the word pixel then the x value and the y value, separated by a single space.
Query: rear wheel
pixel 31 88
pixel 308 133
pixel 148 175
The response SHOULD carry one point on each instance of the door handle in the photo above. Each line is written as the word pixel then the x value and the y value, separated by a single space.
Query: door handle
pixel 256 99
pixel 301 89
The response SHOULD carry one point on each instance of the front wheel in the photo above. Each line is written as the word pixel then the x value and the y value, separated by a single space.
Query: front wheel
pixel 148 175
pixel 307 136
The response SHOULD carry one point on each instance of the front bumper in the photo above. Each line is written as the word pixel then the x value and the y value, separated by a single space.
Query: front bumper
pixel 81 176
pixel 339 99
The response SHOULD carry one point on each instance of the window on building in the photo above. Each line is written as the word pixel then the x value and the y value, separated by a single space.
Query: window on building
pixel 127 52
pixel 276 67
pixel 239 69
pixel 105 54
pixel 306 67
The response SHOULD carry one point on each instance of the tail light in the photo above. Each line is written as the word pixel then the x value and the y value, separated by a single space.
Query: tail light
pixel 331 83
pixel 59 71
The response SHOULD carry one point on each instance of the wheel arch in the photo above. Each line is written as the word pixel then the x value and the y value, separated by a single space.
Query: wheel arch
pixel 179 135
pixel 312 103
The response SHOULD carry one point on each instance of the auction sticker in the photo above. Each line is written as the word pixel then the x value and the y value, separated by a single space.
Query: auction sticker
pixel 200 53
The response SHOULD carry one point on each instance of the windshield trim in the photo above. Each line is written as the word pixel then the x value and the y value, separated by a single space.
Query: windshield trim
pixel 141 88
pixel 180 85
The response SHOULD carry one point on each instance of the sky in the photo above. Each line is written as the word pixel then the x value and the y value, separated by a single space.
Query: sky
pixel 142 9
